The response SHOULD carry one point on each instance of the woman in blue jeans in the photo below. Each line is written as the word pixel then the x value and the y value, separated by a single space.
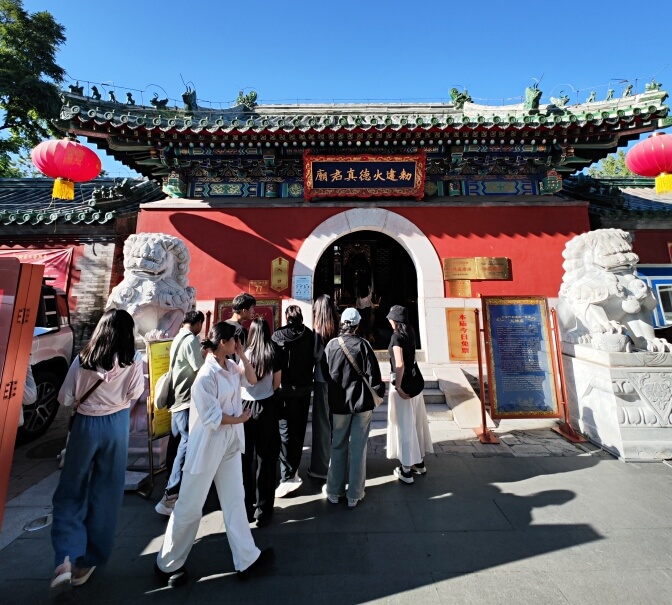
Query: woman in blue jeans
pixel 351 404
pixel 102 383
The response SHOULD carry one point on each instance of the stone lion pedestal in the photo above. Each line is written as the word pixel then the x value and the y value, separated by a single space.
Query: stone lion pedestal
pixel 618 374
pixel 621 401
pixel 156 293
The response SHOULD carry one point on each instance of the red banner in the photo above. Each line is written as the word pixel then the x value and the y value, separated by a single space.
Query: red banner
pixel 56 262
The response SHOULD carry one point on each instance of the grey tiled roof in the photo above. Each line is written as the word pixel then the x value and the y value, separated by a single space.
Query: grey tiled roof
pixel 646 198
pixel 29 201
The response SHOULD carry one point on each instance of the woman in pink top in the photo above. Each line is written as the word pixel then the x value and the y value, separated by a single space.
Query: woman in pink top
pixel 102 383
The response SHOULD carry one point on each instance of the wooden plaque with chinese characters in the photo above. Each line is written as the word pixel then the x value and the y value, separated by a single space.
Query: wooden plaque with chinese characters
pixel 364 175
pixel 462 334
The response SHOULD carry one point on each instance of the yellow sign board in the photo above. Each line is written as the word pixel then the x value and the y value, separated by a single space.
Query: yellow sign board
pixel 477 267
pixel 158 360
pixel 492 267
pixel 462 334
pixel 280 274
pixel 460 288
pixel 259 287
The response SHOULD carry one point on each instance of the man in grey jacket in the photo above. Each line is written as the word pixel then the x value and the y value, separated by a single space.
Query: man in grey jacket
pixel 186 359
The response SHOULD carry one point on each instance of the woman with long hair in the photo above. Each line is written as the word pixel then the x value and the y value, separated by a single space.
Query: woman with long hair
pixel 216 438
pixel 262 437
pixel 102 383
pixel 325 326
pixel 408 437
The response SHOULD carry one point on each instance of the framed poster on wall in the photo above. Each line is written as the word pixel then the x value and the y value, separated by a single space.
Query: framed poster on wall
pixel 269 309
pixel 519 355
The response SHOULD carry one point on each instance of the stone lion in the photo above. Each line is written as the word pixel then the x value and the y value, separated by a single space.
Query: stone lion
pixel 154 289
pixel 602 302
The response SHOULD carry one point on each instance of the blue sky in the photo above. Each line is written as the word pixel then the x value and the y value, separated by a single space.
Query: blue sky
pixel 347 50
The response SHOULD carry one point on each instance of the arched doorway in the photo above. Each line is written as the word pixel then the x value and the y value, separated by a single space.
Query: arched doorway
pixel 371 271
pixel 430 285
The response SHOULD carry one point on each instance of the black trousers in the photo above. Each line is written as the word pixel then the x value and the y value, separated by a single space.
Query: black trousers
pixel 293 421
pixel 260 459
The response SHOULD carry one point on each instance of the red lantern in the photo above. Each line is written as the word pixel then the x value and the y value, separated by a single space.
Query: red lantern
pixel 68 162
pixel 653 157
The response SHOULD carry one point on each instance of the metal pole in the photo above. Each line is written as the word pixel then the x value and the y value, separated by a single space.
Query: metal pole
pixel 484 435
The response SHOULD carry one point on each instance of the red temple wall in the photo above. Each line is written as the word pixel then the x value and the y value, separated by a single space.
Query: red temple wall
pixel 652 246
pixel 231 246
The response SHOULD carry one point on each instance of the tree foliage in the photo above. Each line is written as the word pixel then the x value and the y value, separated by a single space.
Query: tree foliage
pixel 612 165
pixel 29 79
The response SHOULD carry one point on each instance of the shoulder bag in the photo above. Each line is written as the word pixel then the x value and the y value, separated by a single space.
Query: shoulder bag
pixel 81 401
pixel 164 394
pixel 413 382
pixel 377 399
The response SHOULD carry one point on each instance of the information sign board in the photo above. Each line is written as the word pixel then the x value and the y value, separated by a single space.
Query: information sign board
pixel 519 350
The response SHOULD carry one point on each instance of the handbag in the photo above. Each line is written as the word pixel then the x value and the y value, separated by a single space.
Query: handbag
pixel 413 382
pixel 164 394
pixel 71 420
pixel 377 399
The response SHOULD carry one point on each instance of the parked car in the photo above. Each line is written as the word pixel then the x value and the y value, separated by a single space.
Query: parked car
pixel 51 354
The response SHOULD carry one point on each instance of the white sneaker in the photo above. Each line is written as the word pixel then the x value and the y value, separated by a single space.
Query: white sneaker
pixel 81 574
pixel 329 497
pixel 288 486
pixel 62 574
pixel 166 505
pixel 402 475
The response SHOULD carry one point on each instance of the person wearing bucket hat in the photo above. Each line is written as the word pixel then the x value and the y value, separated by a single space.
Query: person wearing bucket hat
pixel 351 403
pixel 408 437
pixel 398 314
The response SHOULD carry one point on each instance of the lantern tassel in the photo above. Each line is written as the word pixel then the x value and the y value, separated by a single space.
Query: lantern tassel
pixel 664 183
pixel 64 189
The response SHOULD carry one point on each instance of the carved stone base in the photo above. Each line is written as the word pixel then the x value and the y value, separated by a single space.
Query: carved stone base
pixel 621 401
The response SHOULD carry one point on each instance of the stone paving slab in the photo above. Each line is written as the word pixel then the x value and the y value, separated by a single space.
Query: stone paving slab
pixel 518 530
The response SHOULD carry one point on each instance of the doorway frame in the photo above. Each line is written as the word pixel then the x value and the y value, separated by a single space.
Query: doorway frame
pixel 428 269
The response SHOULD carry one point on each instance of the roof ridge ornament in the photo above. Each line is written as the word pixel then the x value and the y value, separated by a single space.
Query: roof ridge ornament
pixel 460 98
pixel 249 100
pixel 532 98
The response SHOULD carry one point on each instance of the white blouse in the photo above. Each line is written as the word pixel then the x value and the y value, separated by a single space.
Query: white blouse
pixel 215 391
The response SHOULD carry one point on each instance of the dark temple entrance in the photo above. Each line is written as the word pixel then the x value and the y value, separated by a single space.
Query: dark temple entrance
pixel 371 271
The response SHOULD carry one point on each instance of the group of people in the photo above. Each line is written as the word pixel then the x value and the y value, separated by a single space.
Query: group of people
pixel 241 405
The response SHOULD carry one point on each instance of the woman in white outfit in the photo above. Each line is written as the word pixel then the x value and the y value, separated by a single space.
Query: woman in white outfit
pixel 216 441
pixel 408 437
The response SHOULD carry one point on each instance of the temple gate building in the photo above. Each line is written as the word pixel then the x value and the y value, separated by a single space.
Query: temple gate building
pixel 428 205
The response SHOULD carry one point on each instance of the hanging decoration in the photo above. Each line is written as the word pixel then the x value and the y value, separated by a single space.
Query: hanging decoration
pixel 68 162
pixel 652 157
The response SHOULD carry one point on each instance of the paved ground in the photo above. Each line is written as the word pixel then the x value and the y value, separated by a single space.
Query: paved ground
pixel 533 520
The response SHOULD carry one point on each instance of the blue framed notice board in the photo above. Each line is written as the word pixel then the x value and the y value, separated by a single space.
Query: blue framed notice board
pixel 519 355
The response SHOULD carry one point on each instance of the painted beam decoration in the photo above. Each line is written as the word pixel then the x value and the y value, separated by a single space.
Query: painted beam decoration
pixel 364 176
